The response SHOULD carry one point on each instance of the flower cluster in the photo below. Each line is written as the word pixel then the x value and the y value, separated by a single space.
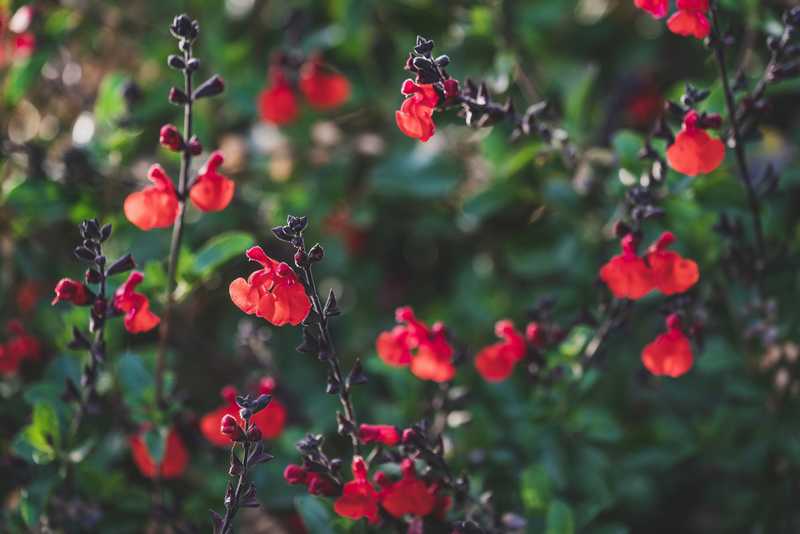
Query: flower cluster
pixel 19 346
pixel 425 350
pixel 322 88
pixel 689 20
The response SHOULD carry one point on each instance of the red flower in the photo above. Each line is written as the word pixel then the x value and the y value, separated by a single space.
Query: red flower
pixel 135 306
pixel 425 350
pixel 670 354
pixel 386 434
pixel 323 90
pixel 496 362
pixel 273 293
pixel 270 421
pixel 694 151
pixel 691 19
pixel 671 273
pixel 627 275
pixel 409 495
pixel 657 8
pixel 278 103
pixel 359 498
pixel 172 465
pixel 415 117
pixel 69 290
pixel 155 206
pixel 317 483
pixel 20 346
pixel 212 191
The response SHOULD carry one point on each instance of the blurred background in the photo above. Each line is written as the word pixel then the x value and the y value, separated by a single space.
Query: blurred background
pixel 467 228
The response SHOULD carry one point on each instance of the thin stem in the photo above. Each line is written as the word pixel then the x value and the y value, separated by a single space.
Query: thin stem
pixel 233 507
pixel 741 156
pixel 177 231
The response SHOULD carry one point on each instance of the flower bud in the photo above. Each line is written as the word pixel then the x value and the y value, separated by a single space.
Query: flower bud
pixel 68 290
pixel 170 138
pixel 175 62
pixel 230 427
pixel 195 147
pixel 316 253
pixel 177 97
pixel 211 87
pixel 295 474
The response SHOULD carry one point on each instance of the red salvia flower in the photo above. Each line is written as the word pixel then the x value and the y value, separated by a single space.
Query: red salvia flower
pixel 155 206
pixel 172 465
pixel 20 346
pixel 627 275
pixel 495 363
pixel 135 306
pixel 409 495
pixel 691 19
pixel 323 90
pixel 657 8
pixel 278 103
pixel 273 293
pixel 318 484
pixel 426 351
pixel 359 499
pixel 694 151
pixel 385 434
pixel 212 191
pixel 672 273
pixel 270 421
pixel 69 290
pixel 415 117
pixel 670 354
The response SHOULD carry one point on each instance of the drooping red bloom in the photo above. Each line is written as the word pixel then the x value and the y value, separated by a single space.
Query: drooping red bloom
pixel 672 273
pixel 322 89
pixel 691 19
pixel 135 306
pixel 415 117
pixel 273 293
pixel 657 8
pixel 155 206
pixel 317 483
pixel 20 346
pixel 270 421
pixel 670 354
pixel 426 351
pixel 278 103
pixel 495 363
pixel 212 191
pixel 694 151
pixel 174 462
pixel 627 275
pixel 409 495
pixel 359 499
pixel 385 434
pixel 69 290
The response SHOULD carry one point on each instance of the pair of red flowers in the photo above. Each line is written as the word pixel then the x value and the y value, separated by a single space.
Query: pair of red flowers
pixel 694 151
pixel 156 206
pixel 426 351
pixel 690 19
pixel 134 305
pixel 19 347
pixel 322 89
pixel 496 362
pixel 173 463
pixel 415 117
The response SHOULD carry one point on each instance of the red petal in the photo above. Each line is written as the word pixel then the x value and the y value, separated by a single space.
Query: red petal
pixel 428 365
pixel 278 105
pixel 494 364
pixel 657 8
pixel 151 208
pixel 212 191
pixel 210 427
pixel 392 350
pixel 627 277
pixel 244 296
pixel 271 420
pixel 689 23
pixel 693 5
pixel 669 355
pixel 673 273
pixel 323 90
pixel 695 152
pixel 140 319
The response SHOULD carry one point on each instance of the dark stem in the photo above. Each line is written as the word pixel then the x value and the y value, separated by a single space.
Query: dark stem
pixel 177 230
pixel 741 157
pixel 327 343
pixel 233 507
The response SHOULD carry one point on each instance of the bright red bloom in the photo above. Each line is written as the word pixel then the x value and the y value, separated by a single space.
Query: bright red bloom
pixel 670 354
pixel 409 495
pixel 496 362
pixel 415 117
pixel 270 421
pixel 20 346
pixel 359 498
pixel 323 90
pixel 657 8
pixel 691 19
pixel 425 350
pixel 385 434
pixel 155 206
pixel 627 275
pixel 278 103
pixel 671 272
pixel 172 465
pixel 212 191
pixel 135 306
pixel 69 290
pixel 318 484
pixel 273 293
pixel 694 151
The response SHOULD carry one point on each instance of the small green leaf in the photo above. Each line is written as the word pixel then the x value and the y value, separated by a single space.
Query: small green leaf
pixel 315 513
pixel 136 382
pixel 110 103
pixel 34 499
pixel 559 519
pixel 218 250
pixel 535 488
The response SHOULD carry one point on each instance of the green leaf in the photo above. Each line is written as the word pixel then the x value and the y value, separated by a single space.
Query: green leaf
pixel 33 499
pixel 559 519
pixel 136 382
pixel 218 250
pixel 110 103
pixel 39 440
pixel 315 513
pixel 535 488
pixel 156 439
